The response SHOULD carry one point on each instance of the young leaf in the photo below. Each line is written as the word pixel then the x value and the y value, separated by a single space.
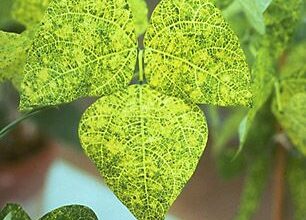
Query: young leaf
pixel 140 15
pixel 146 146
pixel 82 48
pixel 29 12
pixel 73 212
pixel 191 52
pixel 254 12
pixel 13 212
pixel 12 56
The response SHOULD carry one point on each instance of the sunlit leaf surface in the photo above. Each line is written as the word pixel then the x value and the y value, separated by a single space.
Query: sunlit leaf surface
pixel 146 146
pixel 191 52
pixel 82 48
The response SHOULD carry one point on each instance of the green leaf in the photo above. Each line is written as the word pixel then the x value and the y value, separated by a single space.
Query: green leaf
pixel 192 53
pixel 5 13
pixel 140 15
pixel 296 178
pixel 290 107
pixel 295 60
pixel 253 188
pixel 29 12
pixel 263 73
pixel 293 120
pixel 254 12
pixel 12 56
pixel 13 212
pixel 146 146
pixel 73 212
pixel 82 48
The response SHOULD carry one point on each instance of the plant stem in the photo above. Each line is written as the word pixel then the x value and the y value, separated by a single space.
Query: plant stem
pixel 279 182
pixel 278 95
pixel 140 65
pixel 10 126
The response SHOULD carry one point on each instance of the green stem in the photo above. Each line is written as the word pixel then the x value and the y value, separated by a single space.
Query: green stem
pixel 277 94
pixel 10 126
pixel 140 65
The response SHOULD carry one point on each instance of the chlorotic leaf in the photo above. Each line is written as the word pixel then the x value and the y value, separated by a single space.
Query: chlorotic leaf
pixel 12 56
pixel 254 12
pixel 29 12
pixel 140 15
pixel 263 74
pixel 13 212
pixel 146 146
pixel 191 52
pixel 82 48
pixel 73 212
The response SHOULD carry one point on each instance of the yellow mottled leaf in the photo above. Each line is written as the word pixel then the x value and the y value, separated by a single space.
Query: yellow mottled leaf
pixel 146 145
pixel 191 52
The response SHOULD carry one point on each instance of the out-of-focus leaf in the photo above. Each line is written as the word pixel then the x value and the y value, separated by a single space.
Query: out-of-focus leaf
pixel 263 73
pixel 295 59
pixel 297 178
pixel 146 146
pixel 227 131
pixel 253 187
pixel 290 109
pixel 70 212
pixel 13 212
pixel 293 120
pixel 254 12
pixel 281 19
pixel 258 154
pixel 140 15
pixel 29 12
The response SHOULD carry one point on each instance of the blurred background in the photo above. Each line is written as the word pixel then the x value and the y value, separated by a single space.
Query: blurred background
pixel 42 165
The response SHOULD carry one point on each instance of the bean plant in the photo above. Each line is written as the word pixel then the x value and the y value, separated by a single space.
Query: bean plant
pixel 152 77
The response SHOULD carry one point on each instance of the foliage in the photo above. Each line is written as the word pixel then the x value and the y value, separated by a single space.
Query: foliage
pixel 145 151
pixel 65 63
pixel 141 136
pixel 296 178
pixel 73 212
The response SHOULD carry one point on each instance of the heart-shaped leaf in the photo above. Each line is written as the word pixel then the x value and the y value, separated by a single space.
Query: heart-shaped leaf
pixel 82 48
pixel 146 145
pixel 71 212
pixel 192 52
